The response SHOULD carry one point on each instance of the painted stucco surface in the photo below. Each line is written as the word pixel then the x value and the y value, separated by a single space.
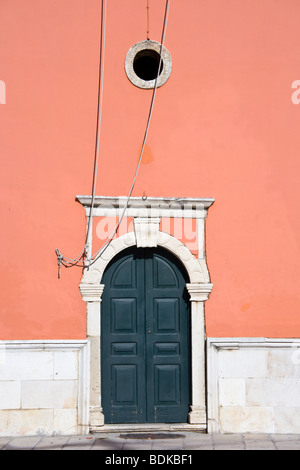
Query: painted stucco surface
pixel 224 126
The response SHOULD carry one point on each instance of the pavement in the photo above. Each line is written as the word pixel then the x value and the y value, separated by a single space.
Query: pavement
pixel 153 442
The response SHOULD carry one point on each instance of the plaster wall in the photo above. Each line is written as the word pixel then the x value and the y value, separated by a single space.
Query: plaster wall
pixel 224 126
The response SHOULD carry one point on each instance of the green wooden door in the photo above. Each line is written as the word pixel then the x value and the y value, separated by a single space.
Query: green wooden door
pixel 145 341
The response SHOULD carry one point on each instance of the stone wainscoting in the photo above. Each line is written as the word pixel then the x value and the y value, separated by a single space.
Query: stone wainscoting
pixel 253 385
pixel 44 387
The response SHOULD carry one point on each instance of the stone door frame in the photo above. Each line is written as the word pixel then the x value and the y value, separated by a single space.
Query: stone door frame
pixel 146 219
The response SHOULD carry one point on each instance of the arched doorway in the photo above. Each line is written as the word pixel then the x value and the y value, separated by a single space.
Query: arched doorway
pixel 145 338
pixel 198 287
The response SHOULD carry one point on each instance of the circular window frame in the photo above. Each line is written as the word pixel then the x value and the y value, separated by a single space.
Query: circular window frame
pixel 166 60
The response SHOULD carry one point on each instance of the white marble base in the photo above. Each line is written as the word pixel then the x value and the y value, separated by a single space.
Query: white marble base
pixel 44 387
pixel 253 385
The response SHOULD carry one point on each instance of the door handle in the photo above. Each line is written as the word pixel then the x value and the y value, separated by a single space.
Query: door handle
pixel 149 332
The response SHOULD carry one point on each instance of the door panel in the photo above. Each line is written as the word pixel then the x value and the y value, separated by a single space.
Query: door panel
pixel 123 316
pixel 124 384
pixel 163 274
pixel 145 345
pixel 166 349
pixel 167 385
pixel 125 275
pixel 123 349
pixel 166 316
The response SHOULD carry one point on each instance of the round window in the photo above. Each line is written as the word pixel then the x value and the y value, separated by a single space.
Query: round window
pixel 146 61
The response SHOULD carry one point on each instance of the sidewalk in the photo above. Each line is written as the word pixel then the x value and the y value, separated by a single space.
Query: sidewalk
pixel 187 441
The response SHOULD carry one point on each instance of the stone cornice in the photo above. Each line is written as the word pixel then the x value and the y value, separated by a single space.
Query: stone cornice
pixel 147 207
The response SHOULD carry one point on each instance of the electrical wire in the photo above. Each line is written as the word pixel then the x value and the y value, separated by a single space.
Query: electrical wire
pixel 114 232
pixel 148 20
pixel 99 110
pixel 62 260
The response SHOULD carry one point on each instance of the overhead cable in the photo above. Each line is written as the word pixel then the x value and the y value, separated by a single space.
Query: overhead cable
pixel 63 260
pixel 86 263
pixel 114 232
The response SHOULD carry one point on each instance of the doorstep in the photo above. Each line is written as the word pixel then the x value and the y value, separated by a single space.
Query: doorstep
pixel 144 427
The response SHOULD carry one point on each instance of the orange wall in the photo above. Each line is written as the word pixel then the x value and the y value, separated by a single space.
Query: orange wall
pixel 224 126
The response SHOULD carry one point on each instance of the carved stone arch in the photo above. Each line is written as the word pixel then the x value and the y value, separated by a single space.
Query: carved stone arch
pixel 196 268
